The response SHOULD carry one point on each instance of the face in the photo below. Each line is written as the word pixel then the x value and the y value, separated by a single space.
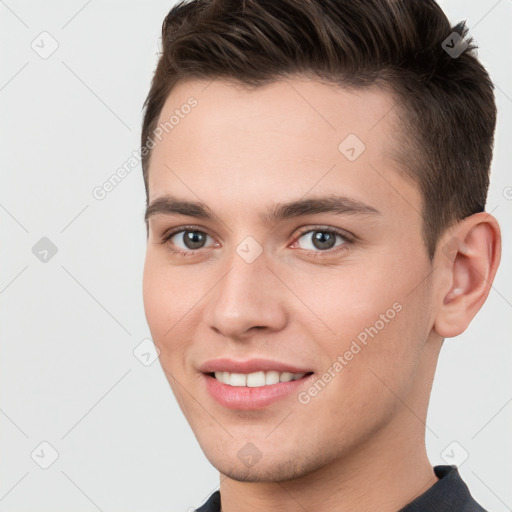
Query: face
pixel 336 293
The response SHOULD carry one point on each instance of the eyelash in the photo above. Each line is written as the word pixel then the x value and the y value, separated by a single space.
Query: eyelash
pixel 348 240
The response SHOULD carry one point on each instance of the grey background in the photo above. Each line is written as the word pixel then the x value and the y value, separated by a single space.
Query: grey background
pixel 68 373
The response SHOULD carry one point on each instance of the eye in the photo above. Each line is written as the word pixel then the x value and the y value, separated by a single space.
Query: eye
pixel 185 241
pixel 324 239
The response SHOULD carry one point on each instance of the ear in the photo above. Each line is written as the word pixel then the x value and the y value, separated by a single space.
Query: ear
pixel 468 258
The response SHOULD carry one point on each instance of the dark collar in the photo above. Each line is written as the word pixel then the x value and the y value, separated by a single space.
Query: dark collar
pixel 448 494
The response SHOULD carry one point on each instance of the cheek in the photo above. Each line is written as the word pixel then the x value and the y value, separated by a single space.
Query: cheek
pixel 172 303
pixel 165 301
pixel 382 355
pixel 153 289
pixel 347 300
pixel 374 319
pixel 369 375
pixel 168 291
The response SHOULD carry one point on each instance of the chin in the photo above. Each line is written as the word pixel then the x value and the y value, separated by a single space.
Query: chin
pixel 275 469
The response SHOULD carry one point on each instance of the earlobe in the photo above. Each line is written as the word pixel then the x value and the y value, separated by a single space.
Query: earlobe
pixel 468 261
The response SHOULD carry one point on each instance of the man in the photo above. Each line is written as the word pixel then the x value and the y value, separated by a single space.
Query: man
pixel 316 176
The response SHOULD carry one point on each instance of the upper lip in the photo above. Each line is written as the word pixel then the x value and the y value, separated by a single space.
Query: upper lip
pixel 225 364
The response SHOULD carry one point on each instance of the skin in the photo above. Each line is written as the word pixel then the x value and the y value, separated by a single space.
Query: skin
pixel 359 444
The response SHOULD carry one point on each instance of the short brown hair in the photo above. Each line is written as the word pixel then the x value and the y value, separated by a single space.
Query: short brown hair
pixel 444 101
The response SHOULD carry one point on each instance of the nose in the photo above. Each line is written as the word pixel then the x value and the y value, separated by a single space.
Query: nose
pixel 248 298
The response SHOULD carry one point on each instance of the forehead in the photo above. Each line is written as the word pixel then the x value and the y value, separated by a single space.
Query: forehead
pixel 297 109
pixel 277 141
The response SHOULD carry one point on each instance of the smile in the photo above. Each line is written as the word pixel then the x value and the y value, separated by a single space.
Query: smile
pixel 256 379
pixel 252 391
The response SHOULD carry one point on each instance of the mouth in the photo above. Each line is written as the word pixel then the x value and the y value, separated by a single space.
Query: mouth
pixel 256 379
pixel 253 391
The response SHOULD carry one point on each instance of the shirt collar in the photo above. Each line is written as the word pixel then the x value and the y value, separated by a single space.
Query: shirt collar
pixel 449 493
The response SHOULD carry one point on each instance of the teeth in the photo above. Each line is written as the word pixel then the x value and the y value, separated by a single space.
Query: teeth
pixel 238 379
pixel 256 379
pixel 271 377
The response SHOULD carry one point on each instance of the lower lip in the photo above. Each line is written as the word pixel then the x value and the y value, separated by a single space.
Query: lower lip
pixel 250 399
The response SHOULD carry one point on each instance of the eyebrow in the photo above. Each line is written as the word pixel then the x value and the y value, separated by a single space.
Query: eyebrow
pixel 336 204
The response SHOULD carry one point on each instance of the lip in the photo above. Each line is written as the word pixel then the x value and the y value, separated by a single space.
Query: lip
pixel 245 398
pixel 226 364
